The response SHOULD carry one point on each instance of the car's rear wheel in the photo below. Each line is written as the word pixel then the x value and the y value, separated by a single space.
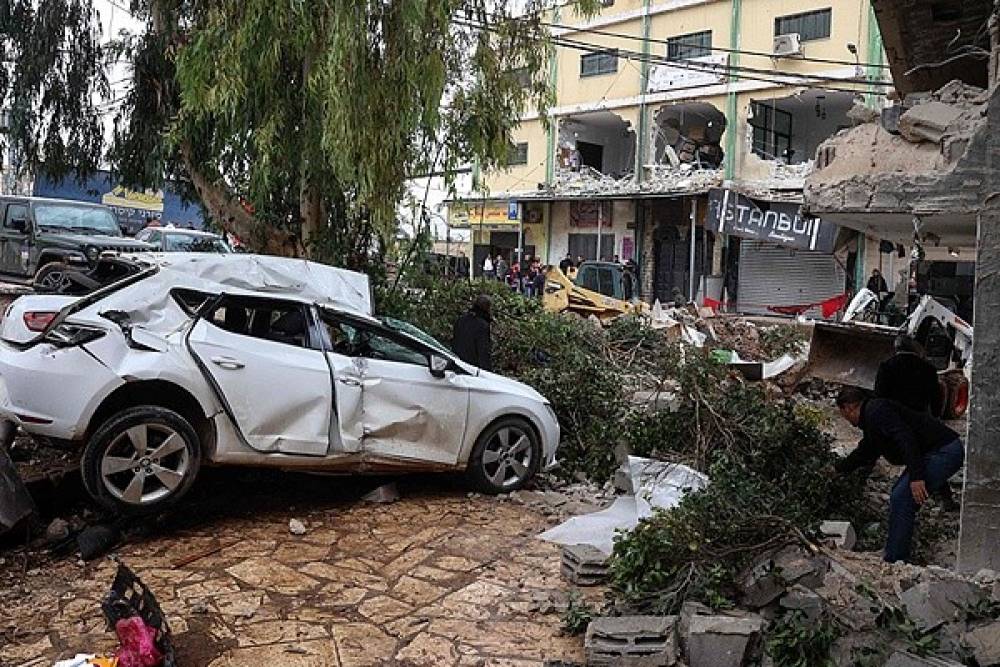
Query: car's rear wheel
pixel 53 278
pixel 141 460
pixel 505 457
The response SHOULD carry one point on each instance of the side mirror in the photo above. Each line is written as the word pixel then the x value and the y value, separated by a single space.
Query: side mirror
pixel 438 365
pixel 19 225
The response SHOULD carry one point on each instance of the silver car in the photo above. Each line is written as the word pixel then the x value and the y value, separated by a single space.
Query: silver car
pixel 236 359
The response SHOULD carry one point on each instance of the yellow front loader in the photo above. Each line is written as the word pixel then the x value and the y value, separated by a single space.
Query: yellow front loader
pixel 564 295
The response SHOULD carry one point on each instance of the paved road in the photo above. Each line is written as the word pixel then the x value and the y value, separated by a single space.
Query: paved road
pixel 437 578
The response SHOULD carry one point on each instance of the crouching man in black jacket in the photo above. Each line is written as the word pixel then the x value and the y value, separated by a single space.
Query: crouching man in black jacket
pixel 931 452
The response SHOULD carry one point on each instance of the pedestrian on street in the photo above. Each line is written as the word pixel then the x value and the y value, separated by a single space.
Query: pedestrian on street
pixel 566 264
pixel 501 267
pixel 514 277
pixel 876 283
pixel 470 339
pixel 931 452
pixel 488 273
pixel 540 282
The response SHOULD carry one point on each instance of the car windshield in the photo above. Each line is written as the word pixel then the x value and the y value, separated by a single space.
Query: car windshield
pixel 82 219
pixel 194 243
pixel 414 332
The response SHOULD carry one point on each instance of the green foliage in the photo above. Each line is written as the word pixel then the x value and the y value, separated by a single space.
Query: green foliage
pixel 577 616
pixel 771 481
pixel 796 641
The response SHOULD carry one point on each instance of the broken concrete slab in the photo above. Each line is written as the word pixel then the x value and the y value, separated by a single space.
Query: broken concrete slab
pixel 584 565
pixel 906 659
pixel 841 533
pixel 984 642
pixel 928 121
pixel 651 640
pixel 722 641
pixel 800 598
pixel 771 575
pixel 931 604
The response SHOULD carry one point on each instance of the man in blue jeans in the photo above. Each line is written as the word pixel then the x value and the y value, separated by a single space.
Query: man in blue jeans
pixel 931 452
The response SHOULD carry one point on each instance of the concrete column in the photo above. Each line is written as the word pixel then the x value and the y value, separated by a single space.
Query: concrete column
pixel 979 538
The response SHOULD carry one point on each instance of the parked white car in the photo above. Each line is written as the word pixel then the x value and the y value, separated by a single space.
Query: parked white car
pixel 252 360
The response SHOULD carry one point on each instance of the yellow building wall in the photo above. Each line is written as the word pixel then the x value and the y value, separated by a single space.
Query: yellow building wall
pixel 714 16
pixel 575 89
pixel 526 176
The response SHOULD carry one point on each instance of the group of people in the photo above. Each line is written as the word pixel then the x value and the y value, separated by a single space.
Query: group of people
pixel 527 277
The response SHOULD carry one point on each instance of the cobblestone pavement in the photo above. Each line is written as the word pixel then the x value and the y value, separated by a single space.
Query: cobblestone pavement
pixel 437 578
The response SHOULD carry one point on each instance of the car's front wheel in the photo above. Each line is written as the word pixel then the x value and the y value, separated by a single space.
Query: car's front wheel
pixel 505 457
pixel 141 460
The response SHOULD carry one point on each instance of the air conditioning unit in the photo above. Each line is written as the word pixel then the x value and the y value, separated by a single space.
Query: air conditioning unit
pixel 787 46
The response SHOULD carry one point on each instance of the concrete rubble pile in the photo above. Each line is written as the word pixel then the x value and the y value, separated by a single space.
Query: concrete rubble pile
pixel 929 145
pixel 894 615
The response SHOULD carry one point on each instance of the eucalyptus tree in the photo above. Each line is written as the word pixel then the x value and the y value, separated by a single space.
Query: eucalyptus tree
pixel 295 122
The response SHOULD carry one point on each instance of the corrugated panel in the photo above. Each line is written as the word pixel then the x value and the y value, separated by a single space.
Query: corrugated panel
pixel 772 275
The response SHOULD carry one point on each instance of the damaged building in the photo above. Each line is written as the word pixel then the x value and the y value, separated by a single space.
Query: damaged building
pixel 632 151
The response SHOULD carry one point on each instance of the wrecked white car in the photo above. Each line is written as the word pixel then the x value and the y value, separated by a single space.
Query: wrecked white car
pixel 251 360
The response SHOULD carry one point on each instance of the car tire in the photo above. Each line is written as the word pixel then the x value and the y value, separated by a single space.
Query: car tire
pixel 51 278
pixel 506 456
pixel 141 460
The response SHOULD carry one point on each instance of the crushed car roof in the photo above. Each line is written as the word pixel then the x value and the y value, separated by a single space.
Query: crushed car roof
pixel 279 277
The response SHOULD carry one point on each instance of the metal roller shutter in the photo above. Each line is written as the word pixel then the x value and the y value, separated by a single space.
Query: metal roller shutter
pixel 772 275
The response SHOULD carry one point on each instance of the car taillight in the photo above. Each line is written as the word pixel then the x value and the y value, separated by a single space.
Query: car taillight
pixel 38 321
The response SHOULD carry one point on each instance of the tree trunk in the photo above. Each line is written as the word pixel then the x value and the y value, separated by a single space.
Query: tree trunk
pixel 232 215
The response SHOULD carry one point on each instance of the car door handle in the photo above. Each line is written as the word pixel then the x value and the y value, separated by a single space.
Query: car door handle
pixel 349 381
pixel 228 363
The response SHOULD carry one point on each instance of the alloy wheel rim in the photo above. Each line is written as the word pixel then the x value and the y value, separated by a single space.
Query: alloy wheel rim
pixel 507 457
pixel 144 464
pixel 54 280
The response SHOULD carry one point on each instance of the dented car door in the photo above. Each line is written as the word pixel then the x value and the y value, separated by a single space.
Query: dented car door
pixel 273 380
pixel 407 412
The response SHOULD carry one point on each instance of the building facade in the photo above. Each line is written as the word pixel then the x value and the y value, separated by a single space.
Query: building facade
pixel 658 105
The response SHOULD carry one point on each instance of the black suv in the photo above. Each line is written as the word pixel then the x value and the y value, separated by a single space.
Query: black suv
pixel 41 238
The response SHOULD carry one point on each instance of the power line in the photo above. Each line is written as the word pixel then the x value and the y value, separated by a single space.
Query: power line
pixel 765 76
pixel 721 49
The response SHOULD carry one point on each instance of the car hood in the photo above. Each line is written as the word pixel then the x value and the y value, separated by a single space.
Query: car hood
pixel 97 240
pixel 499 383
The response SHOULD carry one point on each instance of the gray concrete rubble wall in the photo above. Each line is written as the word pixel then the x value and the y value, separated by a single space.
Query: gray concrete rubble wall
pixel 935 163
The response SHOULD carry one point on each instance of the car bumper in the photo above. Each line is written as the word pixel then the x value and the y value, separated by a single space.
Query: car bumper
pixel 52 391
pixel 550 439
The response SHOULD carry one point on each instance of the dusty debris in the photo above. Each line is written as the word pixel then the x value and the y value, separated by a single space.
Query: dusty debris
pixel 16 505
pixel 767 579
pixel 984 642
pixel 387 493
pixel 296 527
pixel 57 531
pixel 800 598
pixel 931 604
pixel 629 639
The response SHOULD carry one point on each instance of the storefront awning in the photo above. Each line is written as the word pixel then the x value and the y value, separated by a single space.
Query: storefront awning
pixel 781 223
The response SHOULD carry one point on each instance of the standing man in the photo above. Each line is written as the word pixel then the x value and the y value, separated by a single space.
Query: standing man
pixel 470 339
pixel 566 264
pixel 931 452
pixel 876 283
pixel 488 268
pixel 501 268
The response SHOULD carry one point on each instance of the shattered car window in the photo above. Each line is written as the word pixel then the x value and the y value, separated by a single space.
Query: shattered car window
pixel 268 320
pixel 353 341
pixel 419 334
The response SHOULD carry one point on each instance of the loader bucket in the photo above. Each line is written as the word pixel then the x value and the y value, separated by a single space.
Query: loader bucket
pixel 848 354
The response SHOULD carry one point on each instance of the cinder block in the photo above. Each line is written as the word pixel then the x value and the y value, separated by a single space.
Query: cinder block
pixel 632 640
pixel 584 565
